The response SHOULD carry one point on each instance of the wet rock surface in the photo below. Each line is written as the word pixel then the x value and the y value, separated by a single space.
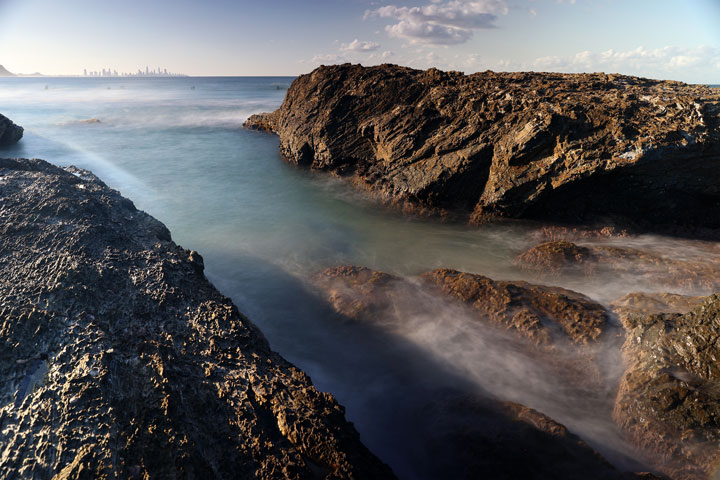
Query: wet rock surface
pixel 669 398
pixel 120 360
pixel 9 132
pixel 698 273
pixel 570 147
pixel 543 314
pixel 477 435
pixel 483 438
pixel 641 304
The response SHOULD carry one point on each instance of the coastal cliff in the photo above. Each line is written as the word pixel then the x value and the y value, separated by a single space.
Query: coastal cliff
pixel 566 147
pixel 9 132
pixel 120 360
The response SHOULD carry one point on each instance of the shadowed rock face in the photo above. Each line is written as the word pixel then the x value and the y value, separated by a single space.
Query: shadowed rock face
pixel 573 147
pixel 483 438
pixel 669 398
pixel 9 132
pixel 119 359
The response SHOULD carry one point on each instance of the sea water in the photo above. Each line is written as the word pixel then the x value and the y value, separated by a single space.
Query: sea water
pixel 175 147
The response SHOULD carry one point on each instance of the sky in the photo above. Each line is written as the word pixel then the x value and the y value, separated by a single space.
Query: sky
pixel 677 40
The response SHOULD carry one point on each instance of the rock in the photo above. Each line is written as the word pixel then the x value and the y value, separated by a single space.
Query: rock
pixel 553 257
pixel 560 329
pixel 470 434
pixel 563 257
pixel 568 147
pixel 542 314
pixel 668 403
pixel 121 360
pixel 643 304
pixel 357 292
pixel 261 121
pixel 9 132
pixel 484 438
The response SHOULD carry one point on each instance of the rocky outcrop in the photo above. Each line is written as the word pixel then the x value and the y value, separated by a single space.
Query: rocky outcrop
pixel 120 360
pixel 566 258
pixel 539 314
pixel 571 147
pixel 9 132
pixel 669 398
pixel 473 435
pixel 643 304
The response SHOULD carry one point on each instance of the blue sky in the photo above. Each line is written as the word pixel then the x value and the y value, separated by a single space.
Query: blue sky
pixel 659 38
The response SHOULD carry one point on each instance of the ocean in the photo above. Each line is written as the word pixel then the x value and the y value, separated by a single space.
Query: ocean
pixel 175 147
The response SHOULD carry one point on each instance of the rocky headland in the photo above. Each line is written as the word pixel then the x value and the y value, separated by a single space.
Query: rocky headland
pixel 9 132
pixel 120 360
pixel 590 148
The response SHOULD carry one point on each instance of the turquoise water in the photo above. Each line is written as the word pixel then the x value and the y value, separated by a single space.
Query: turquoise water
pixel 176 148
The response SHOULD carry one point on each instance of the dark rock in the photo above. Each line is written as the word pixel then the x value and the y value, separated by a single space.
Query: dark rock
pixel 120 360
pixel 668 402
pixel 483 438
pixel 9 132
pixel 570 147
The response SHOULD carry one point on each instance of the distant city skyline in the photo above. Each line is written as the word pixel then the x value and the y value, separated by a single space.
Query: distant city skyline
pixel 108 72
pixel 654 38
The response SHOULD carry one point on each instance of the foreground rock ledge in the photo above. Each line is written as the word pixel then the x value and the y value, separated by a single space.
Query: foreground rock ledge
pixel 669 398
pixel 570 147
pixel 120 360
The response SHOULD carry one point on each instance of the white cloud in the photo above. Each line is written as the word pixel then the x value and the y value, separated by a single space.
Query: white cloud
pixel 358 46
pixel 439 23
pixel 666 62
pixel 328 59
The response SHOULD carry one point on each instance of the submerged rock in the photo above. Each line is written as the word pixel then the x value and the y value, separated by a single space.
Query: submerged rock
pixel 9 132
pixel 483 438
pixel 542 315
pixel 571 147
pixel 669 398
pixel 120 359
pixel 472 435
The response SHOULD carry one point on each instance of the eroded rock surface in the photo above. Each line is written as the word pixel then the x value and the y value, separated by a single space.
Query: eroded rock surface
pixel 119 359
pixel 537 312
pixel 572 147
pixel 669 398
pixel 474 435
pixel 642 304
pixel 9 132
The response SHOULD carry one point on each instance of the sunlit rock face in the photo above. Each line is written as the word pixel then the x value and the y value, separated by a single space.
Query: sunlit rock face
pixel 669 398
pixel 120 360
pixel 9 132
pixel 573 147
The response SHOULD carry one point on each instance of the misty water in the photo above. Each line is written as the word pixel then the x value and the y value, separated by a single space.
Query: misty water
pixel 176 148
